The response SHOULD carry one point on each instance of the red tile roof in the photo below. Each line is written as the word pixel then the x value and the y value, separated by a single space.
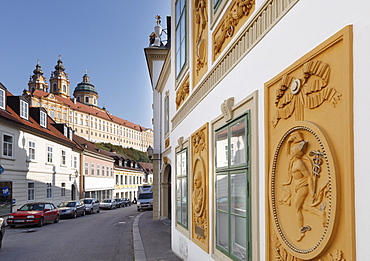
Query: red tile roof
pixel 90 110
pixel 31 124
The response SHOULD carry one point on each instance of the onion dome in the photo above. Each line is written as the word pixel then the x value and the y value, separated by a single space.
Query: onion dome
pixel 85 86
pixel 38 69
pixel 59 66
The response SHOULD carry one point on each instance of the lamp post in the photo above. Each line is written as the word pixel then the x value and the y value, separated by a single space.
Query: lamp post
pixel 150 152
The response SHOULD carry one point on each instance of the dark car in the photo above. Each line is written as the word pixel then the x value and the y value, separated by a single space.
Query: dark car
pixel 119 203
pixel 73 209
pixel 91 205
pixel 127 202
pixel 2 230
pixel 34 214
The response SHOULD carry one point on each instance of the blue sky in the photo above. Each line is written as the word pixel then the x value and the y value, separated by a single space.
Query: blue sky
pixel 105 37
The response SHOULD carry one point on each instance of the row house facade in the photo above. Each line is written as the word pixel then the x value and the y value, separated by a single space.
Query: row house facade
pixel 129 175
pixel 261 129
pixel 42 160
pixel 81 112
pixel 39 159
pixel 97 180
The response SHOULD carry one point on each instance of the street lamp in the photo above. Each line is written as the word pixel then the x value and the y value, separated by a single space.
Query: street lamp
pixel 150 152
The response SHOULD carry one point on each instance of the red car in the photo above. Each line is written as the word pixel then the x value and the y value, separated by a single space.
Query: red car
pixel 34 214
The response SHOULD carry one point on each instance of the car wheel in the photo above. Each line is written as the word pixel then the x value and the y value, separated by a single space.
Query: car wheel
pixel 111 207
pixel 84 213
pixel 12 226
pixel 74 214
pixel 41 222
pixel 56 219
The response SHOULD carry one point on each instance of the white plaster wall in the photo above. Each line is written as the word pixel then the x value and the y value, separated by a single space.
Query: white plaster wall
pixel 307 25
pixel 98 183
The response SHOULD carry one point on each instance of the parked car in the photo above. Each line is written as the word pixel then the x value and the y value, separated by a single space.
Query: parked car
pixel 91 205
pixel 119 203
pixel 34 214
pixel 108 204
pixel 72 208
pixel 2 231
pixel 127 202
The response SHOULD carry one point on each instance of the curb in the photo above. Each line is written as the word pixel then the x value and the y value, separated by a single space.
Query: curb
pixel 139 251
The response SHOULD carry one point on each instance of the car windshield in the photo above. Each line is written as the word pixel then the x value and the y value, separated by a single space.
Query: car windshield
pixel 145 195
pixel 107 200
pixel 28 207
pixel 87 201
pixel 67 204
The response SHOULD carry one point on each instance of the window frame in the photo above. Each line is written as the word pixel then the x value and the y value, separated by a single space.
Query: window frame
pixel 180 20
pixel 63 157
pixel 7 148
pixel 30 191
pixel 180 176
pixel 31 150
pixel 230 171
pixel 63 189
pixel 23 109
pixel 43 119
pixel 49 190
pixel 86 168
pixel 2 99
pixel 49 154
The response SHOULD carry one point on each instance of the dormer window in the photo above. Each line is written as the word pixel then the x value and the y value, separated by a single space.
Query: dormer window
pixel 43 119
pixel 65 131
pixel 24 110
pixel 2 99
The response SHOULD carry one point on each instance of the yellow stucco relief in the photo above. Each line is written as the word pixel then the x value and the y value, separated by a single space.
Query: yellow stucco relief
pixel 309 156
pixel 199 196
pixel 182 92
pixel 200 39
pixel 236 15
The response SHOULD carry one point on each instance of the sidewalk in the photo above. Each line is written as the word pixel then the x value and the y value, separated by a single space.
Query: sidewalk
pixel 152 239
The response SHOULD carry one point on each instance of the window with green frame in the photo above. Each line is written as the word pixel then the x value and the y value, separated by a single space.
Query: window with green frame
pixel 180 35
pixel 233 220
pixel 182 187
pixel 216 4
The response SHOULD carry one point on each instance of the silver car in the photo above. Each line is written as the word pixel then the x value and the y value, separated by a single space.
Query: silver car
pixel 91 205
pixel 108 204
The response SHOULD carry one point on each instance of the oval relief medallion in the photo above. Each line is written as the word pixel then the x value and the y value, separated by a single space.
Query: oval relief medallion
pixel 303 190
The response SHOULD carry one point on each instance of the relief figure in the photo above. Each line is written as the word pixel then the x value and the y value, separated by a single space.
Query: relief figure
pixel 303 182
pixel 198 194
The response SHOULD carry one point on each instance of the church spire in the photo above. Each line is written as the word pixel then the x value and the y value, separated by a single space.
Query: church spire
pixel 37 80
pixel 59 82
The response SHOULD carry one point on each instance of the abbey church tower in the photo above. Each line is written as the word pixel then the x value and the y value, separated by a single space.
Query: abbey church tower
pixel 59 82
pixel 37 80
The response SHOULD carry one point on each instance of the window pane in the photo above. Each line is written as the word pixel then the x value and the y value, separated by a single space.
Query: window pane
pixel 183 164
pixel 184 203
pixel 221 149
pixel 237 143
pixel 238 190
pixel 179 200
pixel 238 225
pixel 222 193
pixel 178 165
pixel 222 230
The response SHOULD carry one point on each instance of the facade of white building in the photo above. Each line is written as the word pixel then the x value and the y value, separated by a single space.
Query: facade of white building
pixel 260 123
pixel 40 161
